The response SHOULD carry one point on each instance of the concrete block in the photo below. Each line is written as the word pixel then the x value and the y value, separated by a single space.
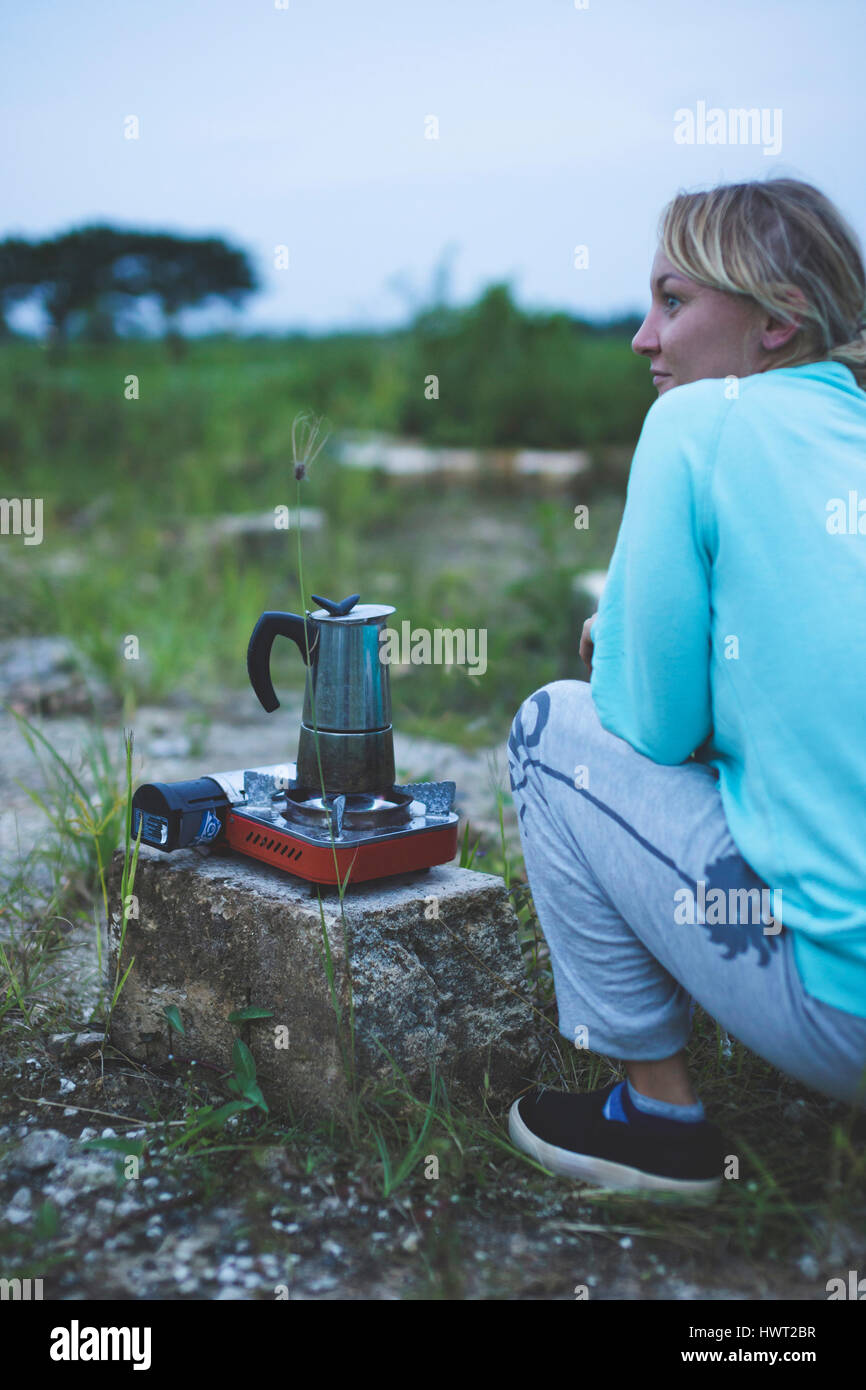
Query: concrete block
pixel 429 962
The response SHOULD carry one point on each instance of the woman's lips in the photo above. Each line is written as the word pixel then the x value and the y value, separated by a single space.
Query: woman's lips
pixel 659 376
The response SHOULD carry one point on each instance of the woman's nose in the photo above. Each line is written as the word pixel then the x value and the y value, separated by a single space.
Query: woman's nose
pixel 646 339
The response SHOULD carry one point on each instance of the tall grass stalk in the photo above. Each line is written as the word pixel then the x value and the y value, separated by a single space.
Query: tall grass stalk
pixel 308 427
pixel 127 883
pixel 86 821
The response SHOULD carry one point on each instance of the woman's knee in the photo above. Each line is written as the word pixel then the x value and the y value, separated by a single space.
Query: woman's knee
pixel 560 701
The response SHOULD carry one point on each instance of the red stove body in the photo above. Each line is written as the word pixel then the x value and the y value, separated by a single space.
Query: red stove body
pixel 354 856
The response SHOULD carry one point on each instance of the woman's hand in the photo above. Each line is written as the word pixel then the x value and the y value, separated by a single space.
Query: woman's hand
pixel 587 645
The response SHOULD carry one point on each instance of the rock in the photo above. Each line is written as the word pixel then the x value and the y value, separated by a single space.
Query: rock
pixel 433 957
pixel 404 458
pixel 60 1196
pixel 46 675
pixel 257 532
pixel 547 462
pixel 172 746
pixel 793 1111
pixel 20 1210
pixel 83 1175
pixel 43 1148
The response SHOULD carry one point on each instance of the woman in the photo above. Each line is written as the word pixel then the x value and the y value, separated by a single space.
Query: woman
pixel 716 762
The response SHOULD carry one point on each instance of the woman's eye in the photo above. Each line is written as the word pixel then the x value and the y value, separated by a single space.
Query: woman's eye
pixel 671 297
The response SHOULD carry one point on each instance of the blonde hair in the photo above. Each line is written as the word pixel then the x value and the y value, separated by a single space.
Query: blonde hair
pixel 769 240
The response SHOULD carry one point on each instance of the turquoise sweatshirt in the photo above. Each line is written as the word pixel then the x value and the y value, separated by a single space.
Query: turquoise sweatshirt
pixel 734 617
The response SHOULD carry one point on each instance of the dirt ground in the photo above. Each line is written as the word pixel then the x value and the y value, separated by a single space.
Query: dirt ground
pixel 256 1225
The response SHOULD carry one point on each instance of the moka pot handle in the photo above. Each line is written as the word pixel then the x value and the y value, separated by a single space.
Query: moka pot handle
pixel 303 631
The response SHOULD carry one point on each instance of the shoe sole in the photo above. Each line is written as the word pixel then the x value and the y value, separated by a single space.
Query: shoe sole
pixel 603 1172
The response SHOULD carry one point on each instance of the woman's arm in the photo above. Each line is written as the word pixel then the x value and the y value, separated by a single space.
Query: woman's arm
pixel 649 643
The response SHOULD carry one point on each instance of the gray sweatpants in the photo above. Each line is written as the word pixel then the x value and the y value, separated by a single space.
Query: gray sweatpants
pixel 621 853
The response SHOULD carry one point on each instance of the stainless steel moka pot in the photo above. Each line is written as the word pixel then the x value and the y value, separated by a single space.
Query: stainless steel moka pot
pixel 347 699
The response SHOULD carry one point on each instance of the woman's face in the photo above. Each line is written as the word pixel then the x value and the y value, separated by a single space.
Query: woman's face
pixel 692 332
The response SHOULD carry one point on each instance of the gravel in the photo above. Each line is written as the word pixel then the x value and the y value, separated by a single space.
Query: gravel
pixel 42 1149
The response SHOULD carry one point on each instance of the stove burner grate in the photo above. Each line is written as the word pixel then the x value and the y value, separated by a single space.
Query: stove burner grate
pixel 351 812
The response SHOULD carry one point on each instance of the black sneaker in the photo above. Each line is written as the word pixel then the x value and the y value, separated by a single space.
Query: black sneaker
pixel 568 1134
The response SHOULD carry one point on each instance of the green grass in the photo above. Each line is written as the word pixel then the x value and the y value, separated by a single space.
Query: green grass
pixel 192 612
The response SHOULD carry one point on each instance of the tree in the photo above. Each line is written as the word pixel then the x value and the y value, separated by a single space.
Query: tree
pixel 180 273
pixel 18 276
pixel 73 273
pixel 88 274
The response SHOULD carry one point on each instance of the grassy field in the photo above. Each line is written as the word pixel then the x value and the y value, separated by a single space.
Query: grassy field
pixel 124 484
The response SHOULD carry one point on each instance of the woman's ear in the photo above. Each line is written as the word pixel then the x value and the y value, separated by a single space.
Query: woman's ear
pixel 777 332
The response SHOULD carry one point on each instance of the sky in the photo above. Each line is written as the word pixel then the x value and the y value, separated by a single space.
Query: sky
pixel 303 124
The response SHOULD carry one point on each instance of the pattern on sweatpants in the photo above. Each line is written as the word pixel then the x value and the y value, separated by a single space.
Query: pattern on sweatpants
pixel 727 873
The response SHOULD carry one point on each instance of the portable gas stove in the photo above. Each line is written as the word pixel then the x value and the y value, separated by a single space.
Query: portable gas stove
pixel 363 825
pixel 263 813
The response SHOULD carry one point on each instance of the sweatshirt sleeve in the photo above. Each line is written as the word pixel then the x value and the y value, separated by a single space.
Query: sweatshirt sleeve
pixel 651 659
